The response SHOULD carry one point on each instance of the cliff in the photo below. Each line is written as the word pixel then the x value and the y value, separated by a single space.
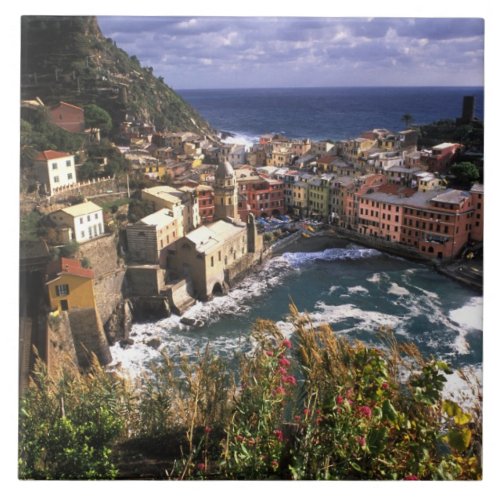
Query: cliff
pixel 67 58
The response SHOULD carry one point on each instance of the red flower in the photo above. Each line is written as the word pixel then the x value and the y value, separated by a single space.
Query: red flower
pixel 201 467
pixel 274 464
pixel 208 429
pixel 284 362
pixel 411 477
pixel 279 435
pixel 269 353
pixel 365 411
pixel 339 399
pixel 349 394
pixel 361 440
pixel 297 418
pixel 282 370
pixel 240 438
pixel 384 386
pixel 280 390
pixel 307 412
pixel 286 343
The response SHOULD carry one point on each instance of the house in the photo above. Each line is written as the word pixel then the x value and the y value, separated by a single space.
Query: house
pixel 69 285
pixel 68 117
pixel 205 255
pixel 54 170
pixel 147 238
pixel 82 222
pixel 264 196
pixel 206 203
pixel 477 193
pixel 440 157
pixel 319 197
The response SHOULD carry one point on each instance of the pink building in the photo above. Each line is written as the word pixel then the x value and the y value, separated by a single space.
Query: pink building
pixel 381 212
pixel 260 196
pixel 477 193
pixel 440 157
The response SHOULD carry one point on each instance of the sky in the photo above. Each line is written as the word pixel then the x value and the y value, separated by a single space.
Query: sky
pixel 193 52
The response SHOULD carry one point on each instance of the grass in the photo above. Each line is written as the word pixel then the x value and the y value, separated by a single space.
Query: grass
pixel 29 226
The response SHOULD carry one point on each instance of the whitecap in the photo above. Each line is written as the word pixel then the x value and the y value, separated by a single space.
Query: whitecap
pixel 375 278
pixel 357 289
pixel 395 289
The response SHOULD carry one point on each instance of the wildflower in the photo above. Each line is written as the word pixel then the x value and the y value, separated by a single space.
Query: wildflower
pixel 411 477
pixel 240 438
pixel 269 353
pixel 362 441
pixel 286 343
pixel 274 464
pixel 282 370
pixel 208 429
pixel 280 390
pixel 307 412
pixel 319 420
pixel 297 418
pixel 365 411
pixel 384 386
pixel 279 435
pixel 201 467
pixel 349 394
pixel 284 362
pixel 289 379
pixel 251 441
pixel 339 399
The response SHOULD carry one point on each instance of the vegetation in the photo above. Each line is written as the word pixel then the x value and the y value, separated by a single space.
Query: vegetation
pixel 138 209
pixel 320 408
pixel 465 174
pixel 96 117
pixel 407 119
pixel 471 135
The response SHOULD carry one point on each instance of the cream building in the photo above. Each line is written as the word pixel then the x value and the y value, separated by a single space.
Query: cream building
pixel 147 238
pixel 225 192
pixel 83 222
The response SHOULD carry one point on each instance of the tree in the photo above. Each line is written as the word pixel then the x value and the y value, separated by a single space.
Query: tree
pixel 407 119
pixel 96 117
pixel 465 173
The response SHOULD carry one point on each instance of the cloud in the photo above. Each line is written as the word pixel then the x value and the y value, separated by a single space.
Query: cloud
pixel 313 51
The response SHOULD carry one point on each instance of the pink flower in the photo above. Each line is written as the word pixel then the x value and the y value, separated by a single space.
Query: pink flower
pixel 349 394
pixel 289 379
pixel 208 429
pixel 361 440
pixel 365 411
pixel 240 438
pixel 274 464
pixel 282 370
pixel 384 386
pixel 411 477
pixel 201 467
pixel 280 390
pixel 297 418
pixel 284 362
pixel 286 343
pixel 279 435
pixel 269 353
pixel 339 399
pixel 307 412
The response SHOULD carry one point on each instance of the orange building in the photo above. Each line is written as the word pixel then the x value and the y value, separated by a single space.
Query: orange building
pixel 68 117
pixel 260 196
pixel 206 203
pixel 477 193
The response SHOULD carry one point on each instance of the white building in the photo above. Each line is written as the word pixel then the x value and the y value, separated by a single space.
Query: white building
pixel 55 169
pixel 84 221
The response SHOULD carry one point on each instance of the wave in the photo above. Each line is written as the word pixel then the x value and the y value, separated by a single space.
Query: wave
pixel 297 259
pixel 247 140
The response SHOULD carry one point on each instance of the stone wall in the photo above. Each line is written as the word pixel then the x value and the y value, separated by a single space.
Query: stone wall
pixel 108 290
pixel 61 348
pixel 145 281
pixel 102 254
pixel 88 336
pixel 179 297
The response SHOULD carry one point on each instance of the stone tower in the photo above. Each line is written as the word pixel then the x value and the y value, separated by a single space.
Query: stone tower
pixel 225 192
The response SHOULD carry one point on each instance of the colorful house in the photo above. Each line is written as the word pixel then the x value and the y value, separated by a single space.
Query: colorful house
pixel 68 117
pixel 69 285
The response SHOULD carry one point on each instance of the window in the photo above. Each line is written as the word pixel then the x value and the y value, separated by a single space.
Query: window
pixel 62 290
pixel 54 166
pixel 88 218
pixel 212 261
pixel 82 234
pixel 56 178
pixel 70 176
pixel 68 163
pixel 96 216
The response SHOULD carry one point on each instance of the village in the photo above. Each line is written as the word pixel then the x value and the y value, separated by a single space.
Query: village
pixel 190 215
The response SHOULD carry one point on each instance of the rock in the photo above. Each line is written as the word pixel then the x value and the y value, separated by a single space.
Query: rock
pixel 126 342
pixel 188 321
pixel 154 343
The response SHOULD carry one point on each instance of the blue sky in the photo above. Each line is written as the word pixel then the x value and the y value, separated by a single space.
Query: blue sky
pixel 226 52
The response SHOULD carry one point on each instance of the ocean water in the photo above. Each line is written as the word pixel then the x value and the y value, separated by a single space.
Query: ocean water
pixel 320 113
pixel 356 290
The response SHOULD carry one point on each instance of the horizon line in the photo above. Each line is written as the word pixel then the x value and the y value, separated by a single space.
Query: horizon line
pixel 332 87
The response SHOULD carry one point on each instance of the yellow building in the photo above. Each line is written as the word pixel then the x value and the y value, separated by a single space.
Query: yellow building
pixel 319 197
pixel 300 197
pixel 70 286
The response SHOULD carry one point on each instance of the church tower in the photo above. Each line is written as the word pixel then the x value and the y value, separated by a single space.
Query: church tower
pixel 225 192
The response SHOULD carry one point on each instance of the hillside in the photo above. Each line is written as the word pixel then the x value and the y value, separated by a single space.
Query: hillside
pixel 67 58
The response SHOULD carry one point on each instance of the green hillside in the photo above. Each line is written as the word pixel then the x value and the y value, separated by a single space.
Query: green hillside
pixel 67 58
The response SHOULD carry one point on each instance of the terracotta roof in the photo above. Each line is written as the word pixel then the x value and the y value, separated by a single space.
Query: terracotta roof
pixel 50 154
pixel 62 103
pixel 68 266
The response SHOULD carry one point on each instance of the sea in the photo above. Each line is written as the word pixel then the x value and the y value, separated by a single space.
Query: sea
pixel 335 113
pixel 356 290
